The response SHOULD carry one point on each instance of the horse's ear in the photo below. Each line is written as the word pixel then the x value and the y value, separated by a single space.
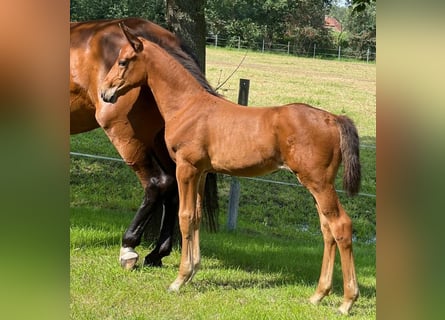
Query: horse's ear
pixel 132 38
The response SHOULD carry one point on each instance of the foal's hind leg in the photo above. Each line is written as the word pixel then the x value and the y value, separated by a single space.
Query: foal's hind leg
pixel 336 226
pixel 327 268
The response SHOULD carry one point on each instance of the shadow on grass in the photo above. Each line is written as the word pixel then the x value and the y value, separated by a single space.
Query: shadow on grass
pixel 286 261
pixel 92 227
pixel 278 261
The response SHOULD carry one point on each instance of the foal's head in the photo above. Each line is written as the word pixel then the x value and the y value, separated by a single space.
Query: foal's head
pixel 128 71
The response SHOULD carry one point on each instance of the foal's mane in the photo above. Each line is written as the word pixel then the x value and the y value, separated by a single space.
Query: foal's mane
pixel 184 54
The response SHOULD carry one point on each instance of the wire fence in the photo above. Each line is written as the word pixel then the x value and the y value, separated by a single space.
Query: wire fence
pixel 262 180
pixel 290 48
pixel 255 193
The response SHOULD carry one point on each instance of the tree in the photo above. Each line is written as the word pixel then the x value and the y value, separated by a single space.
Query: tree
pixel 83 10
pixel 186 19
pixel 361 5
pixel 361 26
pixel 277 21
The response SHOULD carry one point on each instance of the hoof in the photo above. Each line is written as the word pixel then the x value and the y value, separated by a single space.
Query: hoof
pixel 128 258
pixel 345 307
pixel 316 299
pixel 148 261
pixel 174 287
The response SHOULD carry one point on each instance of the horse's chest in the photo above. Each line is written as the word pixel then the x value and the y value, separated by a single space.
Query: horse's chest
pixel 185 141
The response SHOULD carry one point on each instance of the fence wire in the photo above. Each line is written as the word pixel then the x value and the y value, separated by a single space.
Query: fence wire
pixel 313 50
pixel 92 156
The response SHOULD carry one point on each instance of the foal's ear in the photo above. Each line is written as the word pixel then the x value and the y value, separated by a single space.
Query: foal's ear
pixel 132 38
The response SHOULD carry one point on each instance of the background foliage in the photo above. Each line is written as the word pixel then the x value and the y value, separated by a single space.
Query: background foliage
pixel 300 23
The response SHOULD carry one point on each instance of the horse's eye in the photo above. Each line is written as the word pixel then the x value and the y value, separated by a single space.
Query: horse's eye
pixel 123 63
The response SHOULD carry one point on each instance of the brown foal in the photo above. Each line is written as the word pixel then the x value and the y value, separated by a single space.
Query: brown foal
pixel 205 133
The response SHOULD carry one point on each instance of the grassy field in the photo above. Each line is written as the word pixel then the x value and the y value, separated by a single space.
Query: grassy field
pixel 339 87
pixel 269 267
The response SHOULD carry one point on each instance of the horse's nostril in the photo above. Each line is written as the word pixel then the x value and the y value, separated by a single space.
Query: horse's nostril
pixel 104 97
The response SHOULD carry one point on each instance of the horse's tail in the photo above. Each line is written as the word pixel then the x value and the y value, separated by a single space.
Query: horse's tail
pixel 349 145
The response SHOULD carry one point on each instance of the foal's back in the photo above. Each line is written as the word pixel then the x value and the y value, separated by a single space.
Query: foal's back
pixel 261 140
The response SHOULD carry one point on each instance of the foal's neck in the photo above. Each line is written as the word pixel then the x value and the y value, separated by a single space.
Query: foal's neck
pixel 169 81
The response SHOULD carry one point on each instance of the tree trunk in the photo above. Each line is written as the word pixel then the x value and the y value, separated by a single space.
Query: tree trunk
pixel 186 19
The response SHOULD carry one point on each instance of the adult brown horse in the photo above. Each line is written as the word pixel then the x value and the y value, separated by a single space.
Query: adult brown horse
pixel 135 130
pixel 205 133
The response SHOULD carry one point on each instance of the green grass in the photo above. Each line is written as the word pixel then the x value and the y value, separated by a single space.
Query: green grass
pixel 269 267
pixel 339 87
pixel 244 275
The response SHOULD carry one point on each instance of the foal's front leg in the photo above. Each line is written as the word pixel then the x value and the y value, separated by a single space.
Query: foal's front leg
pixel 197 222
pixel 188 179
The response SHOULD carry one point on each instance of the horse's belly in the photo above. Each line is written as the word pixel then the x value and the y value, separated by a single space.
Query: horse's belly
pixel 246 163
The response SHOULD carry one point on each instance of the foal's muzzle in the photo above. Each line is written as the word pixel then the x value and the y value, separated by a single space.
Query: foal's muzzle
pixel 109 95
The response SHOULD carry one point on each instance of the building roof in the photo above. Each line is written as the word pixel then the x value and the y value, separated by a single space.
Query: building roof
pixel 332 23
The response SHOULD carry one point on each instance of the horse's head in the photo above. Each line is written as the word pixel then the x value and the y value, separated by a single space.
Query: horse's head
pixel 128 71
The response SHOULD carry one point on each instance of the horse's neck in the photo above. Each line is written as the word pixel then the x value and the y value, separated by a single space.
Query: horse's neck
pixel 170 82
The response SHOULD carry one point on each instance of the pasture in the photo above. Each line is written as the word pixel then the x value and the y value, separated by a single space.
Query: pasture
pixel 268 267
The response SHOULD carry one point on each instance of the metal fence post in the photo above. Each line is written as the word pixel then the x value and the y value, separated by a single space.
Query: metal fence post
pixel 234 194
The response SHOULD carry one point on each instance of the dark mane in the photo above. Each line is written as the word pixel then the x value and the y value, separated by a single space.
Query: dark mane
pixel 190 62
pixel 185 56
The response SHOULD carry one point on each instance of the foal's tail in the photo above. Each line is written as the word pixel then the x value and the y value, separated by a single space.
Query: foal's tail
pixel 349 145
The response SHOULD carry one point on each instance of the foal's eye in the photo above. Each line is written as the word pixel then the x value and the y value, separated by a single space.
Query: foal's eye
pixel 123 63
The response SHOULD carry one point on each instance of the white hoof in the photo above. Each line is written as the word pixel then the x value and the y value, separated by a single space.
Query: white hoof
pixel 345 307
pixel 174 287
pixel 316 299
pixel 128 258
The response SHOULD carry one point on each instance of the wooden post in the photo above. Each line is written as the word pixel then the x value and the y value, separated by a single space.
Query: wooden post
pixel 243 94
pixel 234 195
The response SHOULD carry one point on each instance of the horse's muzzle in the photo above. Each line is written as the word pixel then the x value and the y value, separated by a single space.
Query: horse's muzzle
pixel 109 95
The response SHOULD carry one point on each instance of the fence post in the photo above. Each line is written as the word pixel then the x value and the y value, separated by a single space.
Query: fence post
pixel 234 194
pixel 367 55
pixel 339 52
pixel 216 40
pixel 239 42
pixel 262 50
pixel 288 47
pixel 315 45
